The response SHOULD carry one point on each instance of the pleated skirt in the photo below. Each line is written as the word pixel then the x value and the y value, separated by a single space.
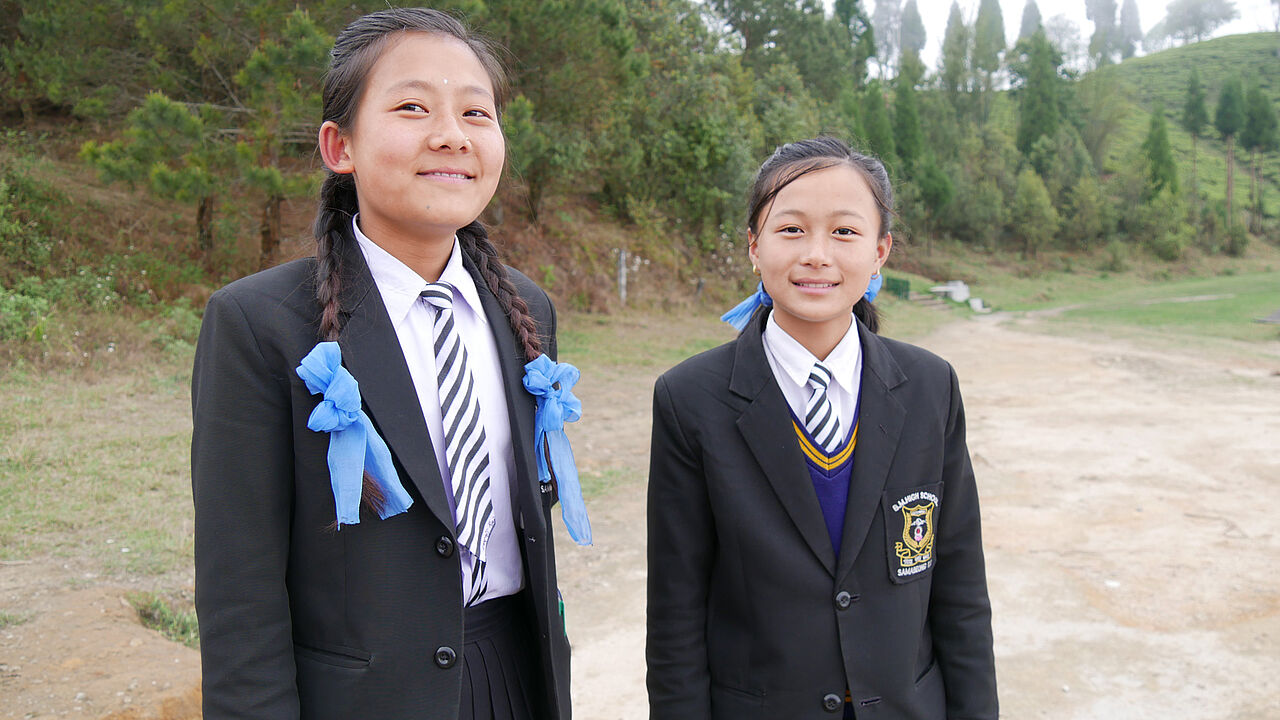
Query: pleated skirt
pixel 501 675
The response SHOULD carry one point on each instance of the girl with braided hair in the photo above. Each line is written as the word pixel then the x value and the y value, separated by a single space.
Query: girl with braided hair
pixel 380 384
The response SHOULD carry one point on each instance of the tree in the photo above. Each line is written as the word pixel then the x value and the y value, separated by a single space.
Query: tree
pixel 1130 29
pixel 1195 20
pixel 1030 19
pixel 911 36
pixel 1103 45
pixel 887 21
pixel 1228 119
pixel 988 44
pixel 1038 97
pixel 851 15
pixel 1194 118
pixel 1103 108
pixel 876 123
pixel 936 192
pixel 280 89
pixel 908 136
pixel 954 71
pixel 1032 215
pixel 172 149
pixel 1162 171
pixel 1065 36
pixel 1258 136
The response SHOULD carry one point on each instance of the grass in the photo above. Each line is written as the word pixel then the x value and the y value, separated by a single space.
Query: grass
pixel 8 619
pixel 161 615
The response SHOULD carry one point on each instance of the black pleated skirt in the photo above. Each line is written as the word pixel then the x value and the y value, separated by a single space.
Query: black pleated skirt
pixel 500 668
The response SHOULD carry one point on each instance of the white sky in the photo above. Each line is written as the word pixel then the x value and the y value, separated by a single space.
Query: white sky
pixel 1255 16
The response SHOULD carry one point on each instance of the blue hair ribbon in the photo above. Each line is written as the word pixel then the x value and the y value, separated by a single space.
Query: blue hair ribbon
pixel 873 287
pixel 354 445
pixel 741 313
pixel 552 383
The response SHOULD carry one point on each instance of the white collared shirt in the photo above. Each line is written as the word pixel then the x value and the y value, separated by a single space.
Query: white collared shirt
pixel 791 363
pixel 413 320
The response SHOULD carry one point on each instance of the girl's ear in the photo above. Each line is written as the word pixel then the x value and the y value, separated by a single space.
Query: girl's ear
pixel 335 148
pixel 751 247
pixel 883 246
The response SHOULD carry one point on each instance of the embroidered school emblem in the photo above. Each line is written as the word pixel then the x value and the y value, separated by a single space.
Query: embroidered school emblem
pixel 914 552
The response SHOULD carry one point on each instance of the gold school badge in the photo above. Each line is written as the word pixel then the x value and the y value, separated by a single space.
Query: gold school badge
pixel 915 550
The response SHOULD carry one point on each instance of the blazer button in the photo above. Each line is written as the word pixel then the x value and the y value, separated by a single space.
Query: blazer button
pixel 446 657
pixel 843 600
pixel 832 702
pixel 444 546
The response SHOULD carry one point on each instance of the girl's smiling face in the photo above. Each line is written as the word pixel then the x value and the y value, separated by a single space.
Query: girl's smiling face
pixel 426 149
pixel 816 246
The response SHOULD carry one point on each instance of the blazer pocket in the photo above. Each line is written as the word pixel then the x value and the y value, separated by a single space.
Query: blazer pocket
pixel 930 692
pixel 333 655
pixel 731 702
pixel 910 525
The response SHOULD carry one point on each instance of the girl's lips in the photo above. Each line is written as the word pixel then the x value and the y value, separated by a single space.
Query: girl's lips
pixel 447 174
pixel 814 284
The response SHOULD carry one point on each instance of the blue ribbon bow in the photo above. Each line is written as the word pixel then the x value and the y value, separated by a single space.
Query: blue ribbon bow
pixel 552 383
pixel 741 313
pixel 873 287
pixel 354 445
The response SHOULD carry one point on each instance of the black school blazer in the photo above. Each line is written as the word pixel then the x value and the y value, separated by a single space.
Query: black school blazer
pixel 751 614
pixel 300 621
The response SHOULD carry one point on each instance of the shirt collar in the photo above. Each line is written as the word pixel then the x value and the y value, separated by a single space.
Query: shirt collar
pixel 797 362
pixel 399 284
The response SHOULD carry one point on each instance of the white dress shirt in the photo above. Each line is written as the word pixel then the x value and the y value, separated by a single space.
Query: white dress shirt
pixel 413 319
pixel 791 363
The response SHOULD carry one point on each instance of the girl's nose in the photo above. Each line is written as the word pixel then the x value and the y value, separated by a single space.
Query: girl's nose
pixel 817 252
pixel 448 133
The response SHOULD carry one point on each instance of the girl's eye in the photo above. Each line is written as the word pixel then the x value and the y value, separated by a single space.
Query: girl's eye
pixel 478 112
pixel 790 230
pixel 845 232
pixel 412 107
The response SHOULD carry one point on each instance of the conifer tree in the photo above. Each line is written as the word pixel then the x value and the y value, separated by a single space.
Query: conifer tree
pixel 1032 215
pixel 1162 171
pixel 1258 136
pixel 1130 29
pixel 1228 119
pixel 954 71
pixel 887 21
pixel 908 136
pixel 1102 45
pixel 876 123
pixel 1194 118
pixel 1030 19
pixel 911 35
pixel 988 44
pixel 1038 111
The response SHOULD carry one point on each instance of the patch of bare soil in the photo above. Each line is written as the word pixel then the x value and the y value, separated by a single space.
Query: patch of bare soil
pixel 1129 501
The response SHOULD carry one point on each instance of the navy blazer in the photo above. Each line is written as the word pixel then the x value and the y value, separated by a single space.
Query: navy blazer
pixel 751 614
pixel 298 620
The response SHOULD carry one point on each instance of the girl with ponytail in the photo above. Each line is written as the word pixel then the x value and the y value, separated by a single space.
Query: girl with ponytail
pixel 370 464
pixel 814 539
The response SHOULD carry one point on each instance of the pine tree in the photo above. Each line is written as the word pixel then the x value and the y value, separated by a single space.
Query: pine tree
pixel 1130 29
pixel 1194 118
pixel 988 44
pixel 1162 171
pixel 1102 45
pixel 955 54
pixel 912 33
pixel 1259 136
pixel 1038 112
pixel 1032 214
pixel 908 136
pixel 876 123
pixel 1228 119
pixel 1030 19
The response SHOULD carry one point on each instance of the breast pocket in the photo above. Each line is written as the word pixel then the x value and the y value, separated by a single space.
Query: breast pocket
pixel 910 526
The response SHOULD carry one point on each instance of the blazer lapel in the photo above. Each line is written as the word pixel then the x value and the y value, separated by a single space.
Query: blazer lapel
pixel 880 421
pixel 521 404
pixel 371 351
pixel 766 427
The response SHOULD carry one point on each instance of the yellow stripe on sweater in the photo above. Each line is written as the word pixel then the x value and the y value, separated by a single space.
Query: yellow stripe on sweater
pixel 820 458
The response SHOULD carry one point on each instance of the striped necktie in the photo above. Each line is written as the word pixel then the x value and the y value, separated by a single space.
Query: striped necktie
pixel 819 414
pixel 466 450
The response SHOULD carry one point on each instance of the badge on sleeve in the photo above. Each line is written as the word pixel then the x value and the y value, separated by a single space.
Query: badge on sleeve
pixel 910 519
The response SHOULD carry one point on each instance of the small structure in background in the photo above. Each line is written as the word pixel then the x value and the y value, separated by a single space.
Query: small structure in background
pixel 1272 319
pixel 958 291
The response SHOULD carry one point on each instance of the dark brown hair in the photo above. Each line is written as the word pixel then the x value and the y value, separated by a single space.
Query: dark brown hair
pixel 793 161
pixel 354 54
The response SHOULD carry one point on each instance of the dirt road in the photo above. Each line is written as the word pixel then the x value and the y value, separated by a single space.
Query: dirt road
pixel 1129 501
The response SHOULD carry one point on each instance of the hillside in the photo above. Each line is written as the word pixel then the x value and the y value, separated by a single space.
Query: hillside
pixel 1162 78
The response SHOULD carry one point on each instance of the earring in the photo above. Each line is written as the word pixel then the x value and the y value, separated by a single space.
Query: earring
pixel 755 271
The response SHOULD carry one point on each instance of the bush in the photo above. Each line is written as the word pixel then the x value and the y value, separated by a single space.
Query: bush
pixel 22 317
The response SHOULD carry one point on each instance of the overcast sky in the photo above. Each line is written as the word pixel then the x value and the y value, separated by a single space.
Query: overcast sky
pixel 1255 16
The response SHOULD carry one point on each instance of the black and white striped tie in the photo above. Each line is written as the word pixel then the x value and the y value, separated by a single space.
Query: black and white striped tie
pixel 819 415
pixel 466 450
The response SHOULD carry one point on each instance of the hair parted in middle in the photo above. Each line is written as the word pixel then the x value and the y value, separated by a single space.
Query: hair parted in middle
pixel 793 161
pixel 355 51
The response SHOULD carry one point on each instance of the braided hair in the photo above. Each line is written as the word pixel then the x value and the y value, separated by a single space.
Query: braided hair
pixel 355 51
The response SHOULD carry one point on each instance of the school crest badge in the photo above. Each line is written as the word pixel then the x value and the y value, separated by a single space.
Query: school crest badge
pixel 911 521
